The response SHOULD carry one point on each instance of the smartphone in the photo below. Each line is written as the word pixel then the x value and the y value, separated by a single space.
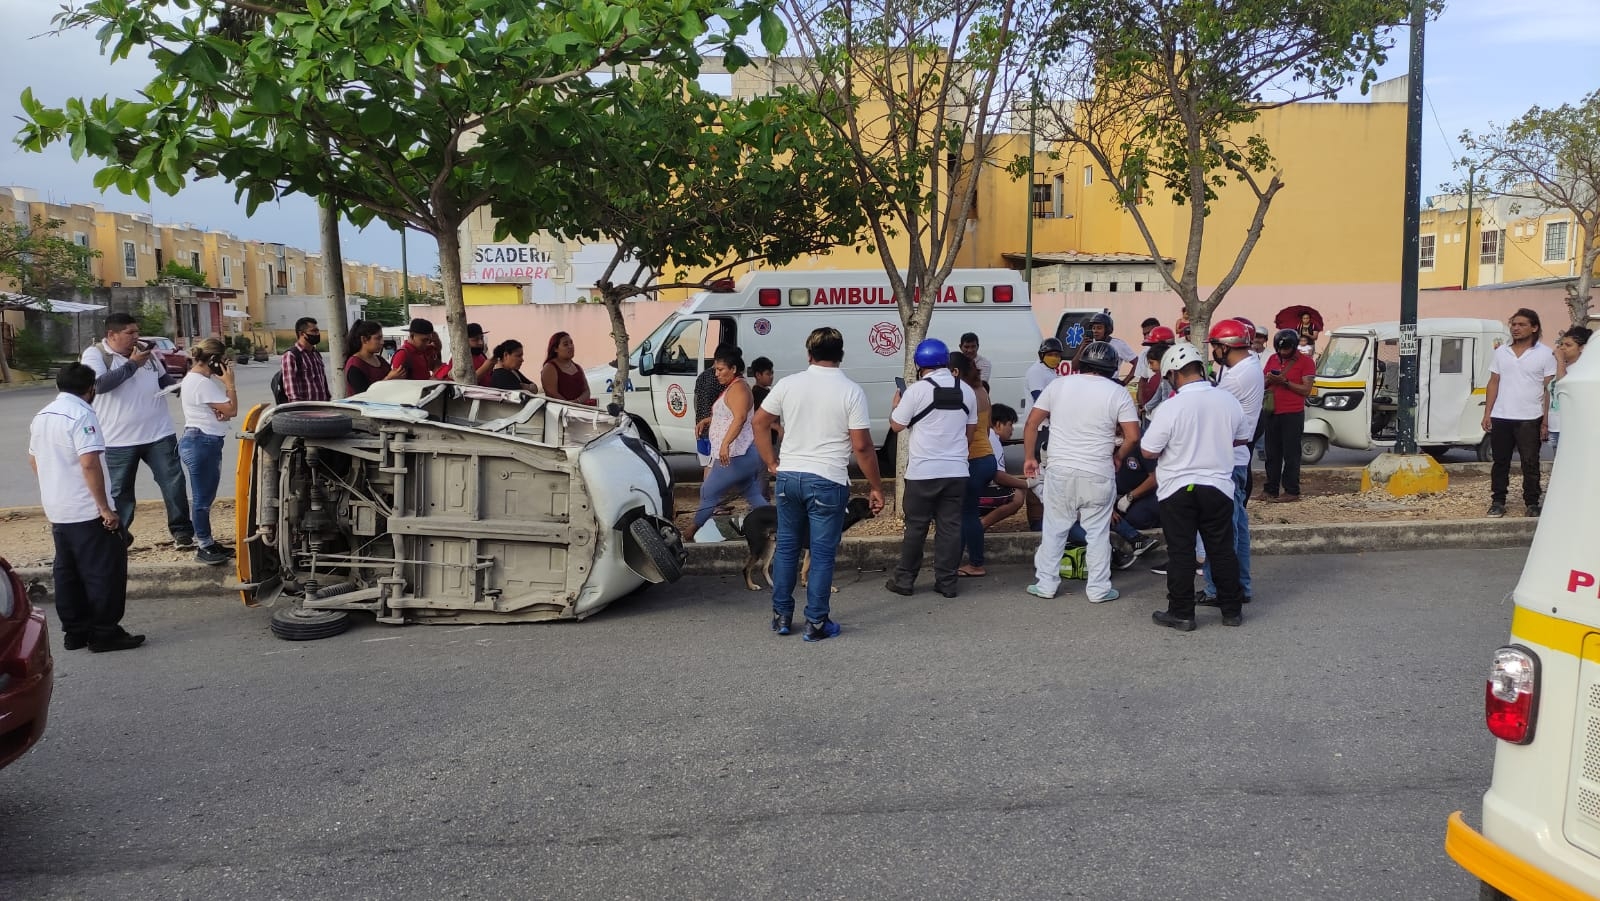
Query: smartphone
pixel 900 384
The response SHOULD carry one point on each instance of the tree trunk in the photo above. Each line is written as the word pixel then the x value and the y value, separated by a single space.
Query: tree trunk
pixel 455 304
pixel 619 338
pixel 5 364
pixel 338 326
pixel 1578 301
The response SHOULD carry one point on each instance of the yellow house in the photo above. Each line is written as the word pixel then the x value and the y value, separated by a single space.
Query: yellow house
pixel 184 245
pixel 1506 241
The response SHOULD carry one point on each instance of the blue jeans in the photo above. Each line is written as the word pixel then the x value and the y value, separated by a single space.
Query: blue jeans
pixel 202 457
pixel 804 498
pixel 1241 531
pixel 980 472
pixel 1076 535
pixel 743 473
pixel 161 456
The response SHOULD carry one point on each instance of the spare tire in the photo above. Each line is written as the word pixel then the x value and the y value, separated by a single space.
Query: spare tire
pixel 666 563
pixel 299 624
pixel 312 423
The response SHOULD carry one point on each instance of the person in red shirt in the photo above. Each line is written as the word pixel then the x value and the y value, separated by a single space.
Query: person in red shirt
pixel 1290 376
pixel 482 363
pixel 415 358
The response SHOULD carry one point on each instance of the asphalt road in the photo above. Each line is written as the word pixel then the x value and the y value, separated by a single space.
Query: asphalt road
pixel 995 746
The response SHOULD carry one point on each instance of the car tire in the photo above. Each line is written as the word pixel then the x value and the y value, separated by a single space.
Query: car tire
pixel 669 564
pixel 299 624
pixel 313 423
pixel 1485 452
pixel 1312 447
pixel 1437 451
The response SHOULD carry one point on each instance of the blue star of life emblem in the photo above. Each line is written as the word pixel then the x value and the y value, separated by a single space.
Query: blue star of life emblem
pixel 1075 334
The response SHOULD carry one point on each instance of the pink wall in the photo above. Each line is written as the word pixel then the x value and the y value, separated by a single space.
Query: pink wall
pixel 533 324
pixel 1339 305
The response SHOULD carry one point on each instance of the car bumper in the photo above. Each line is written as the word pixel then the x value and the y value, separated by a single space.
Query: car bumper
pixel 25 702
pixel 1502 869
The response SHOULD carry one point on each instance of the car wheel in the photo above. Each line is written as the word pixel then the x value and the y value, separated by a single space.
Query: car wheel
pixel 1485 452
pixel 299 624
pixel 1312 447
pixel 1437 451
pixel 313 423
pixel 669 564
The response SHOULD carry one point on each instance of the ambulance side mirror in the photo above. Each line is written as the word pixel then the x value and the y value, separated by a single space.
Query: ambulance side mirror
pixel 647 363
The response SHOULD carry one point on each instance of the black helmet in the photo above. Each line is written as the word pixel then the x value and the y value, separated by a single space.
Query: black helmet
pixel 1101 318
pixel 1050 346
pixel 1099 357
pixel 1285 338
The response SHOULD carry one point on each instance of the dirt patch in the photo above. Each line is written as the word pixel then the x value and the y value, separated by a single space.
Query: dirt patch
pixel 25 535
pixel 1325 498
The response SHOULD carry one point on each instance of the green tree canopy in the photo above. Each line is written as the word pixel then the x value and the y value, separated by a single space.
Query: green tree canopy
pixel 37 262
pixel 404 110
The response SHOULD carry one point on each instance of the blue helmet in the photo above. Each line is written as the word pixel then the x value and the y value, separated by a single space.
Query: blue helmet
pixel 932 354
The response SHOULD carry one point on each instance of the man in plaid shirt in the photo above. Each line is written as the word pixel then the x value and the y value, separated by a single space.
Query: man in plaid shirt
pixel 305 377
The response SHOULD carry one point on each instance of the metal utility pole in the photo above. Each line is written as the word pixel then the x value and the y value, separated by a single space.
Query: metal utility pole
pixel 1033 131
pixel 338 324
pixel 405 276
pixel 1406 441
pixel 1466 250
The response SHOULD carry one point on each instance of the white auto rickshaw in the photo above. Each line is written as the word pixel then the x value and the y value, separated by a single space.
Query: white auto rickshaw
pixel 1356 401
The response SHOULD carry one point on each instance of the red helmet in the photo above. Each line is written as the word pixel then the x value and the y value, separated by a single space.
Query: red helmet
pixel 1160 335
pixel 1250 327
pixel 1231 333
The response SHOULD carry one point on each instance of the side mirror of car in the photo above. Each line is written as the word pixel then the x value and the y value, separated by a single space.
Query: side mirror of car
pixel 647 363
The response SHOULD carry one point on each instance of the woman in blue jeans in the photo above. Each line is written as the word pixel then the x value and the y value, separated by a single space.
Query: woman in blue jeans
pixel 209 401
pixel 735 463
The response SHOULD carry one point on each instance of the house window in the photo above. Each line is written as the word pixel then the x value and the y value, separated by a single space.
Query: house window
pixel 1425 251
pixel 130 259
pixel 1492 247
pixel 1059 196
pixel 1138 286
pixel 84 263
pixel 1112 287
pixel 227 273
pixel 194 260
pixel 1088 286
pixel 1088 176
pixel 1555 242
pixel 1043 196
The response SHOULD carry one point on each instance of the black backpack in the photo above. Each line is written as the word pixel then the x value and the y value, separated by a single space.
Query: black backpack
pixel 943 399
pixel 279 396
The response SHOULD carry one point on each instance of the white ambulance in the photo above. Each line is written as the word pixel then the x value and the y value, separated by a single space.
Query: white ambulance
pixel 769 314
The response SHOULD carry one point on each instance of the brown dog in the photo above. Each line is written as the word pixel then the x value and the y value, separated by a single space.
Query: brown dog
pixel 760 531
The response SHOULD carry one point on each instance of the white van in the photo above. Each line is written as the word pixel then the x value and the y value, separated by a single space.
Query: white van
pixel 769 314
pixel 1540 826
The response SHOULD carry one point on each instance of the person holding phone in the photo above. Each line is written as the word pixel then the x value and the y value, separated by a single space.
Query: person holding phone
pixel 209 401
pixel 136 425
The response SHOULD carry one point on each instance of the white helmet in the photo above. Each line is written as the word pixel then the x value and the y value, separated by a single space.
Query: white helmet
pixel 1179 356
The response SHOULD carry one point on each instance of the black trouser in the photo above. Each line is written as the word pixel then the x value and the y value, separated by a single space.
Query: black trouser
pixel 1202 510
pixel 936 501
pixel 1522 436
pixel 1284 431
pixel 91 577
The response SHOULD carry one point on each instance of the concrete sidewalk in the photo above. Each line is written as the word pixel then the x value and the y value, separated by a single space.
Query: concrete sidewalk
pixel 187 579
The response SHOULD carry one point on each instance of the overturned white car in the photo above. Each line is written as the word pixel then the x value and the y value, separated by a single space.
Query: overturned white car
pixel 437 502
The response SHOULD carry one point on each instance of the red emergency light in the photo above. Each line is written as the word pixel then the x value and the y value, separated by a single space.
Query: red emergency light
pixel 768 297
pixel 1002 293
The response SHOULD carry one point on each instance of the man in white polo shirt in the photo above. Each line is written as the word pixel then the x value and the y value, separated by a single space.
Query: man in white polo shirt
pixel 137 425
pixel 940 414
pixel 1192 436
pixel 1088 409
pixel 1514 413
pixel 824 417
pixel 1241 377
pixel 67 453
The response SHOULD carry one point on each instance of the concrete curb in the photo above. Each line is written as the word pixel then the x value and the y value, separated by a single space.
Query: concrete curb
pixel 168 580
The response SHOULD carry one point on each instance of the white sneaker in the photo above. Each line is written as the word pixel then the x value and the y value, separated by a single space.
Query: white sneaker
pixel 1111 595
pixel 1038 592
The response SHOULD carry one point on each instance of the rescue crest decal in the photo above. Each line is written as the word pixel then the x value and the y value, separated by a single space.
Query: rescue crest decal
pixel 885 339
pixel 677 403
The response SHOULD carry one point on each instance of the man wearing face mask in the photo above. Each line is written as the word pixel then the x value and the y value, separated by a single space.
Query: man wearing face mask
pixel 305 376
